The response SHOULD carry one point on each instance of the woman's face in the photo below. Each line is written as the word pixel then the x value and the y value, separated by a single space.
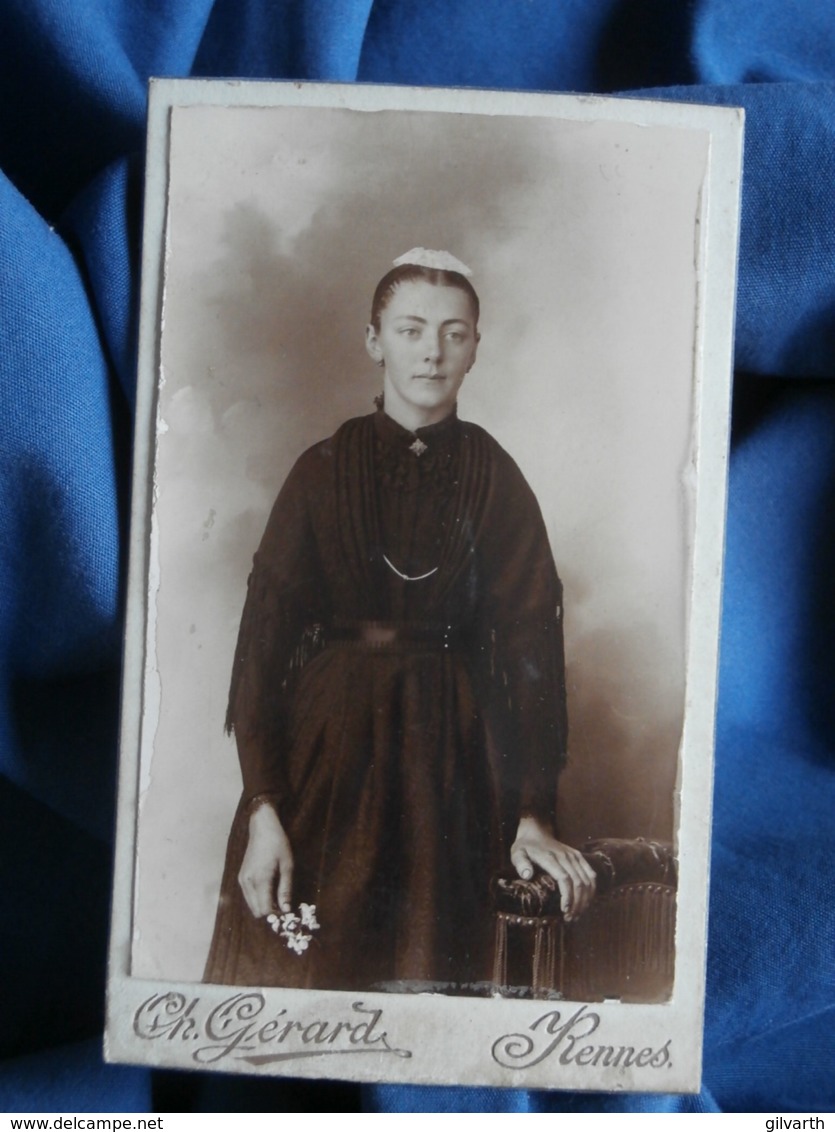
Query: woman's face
pixel 427 342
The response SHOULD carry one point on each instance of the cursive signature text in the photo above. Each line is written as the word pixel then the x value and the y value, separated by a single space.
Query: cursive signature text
pixel 554 1035
pixel 243 1029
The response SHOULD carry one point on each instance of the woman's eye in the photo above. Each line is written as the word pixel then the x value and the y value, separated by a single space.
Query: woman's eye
pixel 410 332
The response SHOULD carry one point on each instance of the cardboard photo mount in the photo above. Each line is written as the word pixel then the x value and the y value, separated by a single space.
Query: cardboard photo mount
pixel 602 234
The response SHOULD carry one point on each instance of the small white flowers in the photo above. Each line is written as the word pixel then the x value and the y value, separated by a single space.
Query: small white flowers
pixel 307 912
pixel 296 929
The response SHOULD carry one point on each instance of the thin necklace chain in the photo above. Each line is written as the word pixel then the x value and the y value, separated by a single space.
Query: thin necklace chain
pixel 408 577
pixel 418 447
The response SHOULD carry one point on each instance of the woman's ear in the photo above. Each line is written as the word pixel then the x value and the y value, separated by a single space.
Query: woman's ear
pixel 372 345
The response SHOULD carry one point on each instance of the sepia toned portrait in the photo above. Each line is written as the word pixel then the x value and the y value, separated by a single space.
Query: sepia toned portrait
pixel 419 605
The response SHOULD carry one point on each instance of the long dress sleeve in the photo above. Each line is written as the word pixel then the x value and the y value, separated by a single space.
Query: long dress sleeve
pixel 279 623
pixel 521 621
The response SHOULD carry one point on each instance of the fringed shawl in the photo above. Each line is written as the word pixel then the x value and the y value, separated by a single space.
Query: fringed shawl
pixel 496 542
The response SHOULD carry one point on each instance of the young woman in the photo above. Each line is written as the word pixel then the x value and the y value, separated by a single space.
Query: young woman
pixel 398 692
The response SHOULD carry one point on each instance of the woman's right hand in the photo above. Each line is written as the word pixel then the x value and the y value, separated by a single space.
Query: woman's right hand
pixel 266 874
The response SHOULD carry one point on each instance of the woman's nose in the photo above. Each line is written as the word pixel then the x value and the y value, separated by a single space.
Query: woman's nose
pixel 433 348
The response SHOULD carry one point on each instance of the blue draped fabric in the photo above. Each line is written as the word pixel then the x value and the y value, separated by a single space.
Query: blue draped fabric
pixel 73 79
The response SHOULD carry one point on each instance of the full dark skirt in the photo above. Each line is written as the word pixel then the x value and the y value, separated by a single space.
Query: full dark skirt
pixel 395 829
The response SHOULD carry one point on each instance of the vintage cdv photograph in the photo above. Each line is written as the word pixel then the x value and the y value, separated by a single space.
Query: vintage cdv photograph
pixel 425 575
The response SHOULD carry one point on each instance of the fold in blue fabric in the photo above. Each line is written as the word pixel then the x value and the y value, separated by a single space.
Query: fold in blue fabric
pixel 73 77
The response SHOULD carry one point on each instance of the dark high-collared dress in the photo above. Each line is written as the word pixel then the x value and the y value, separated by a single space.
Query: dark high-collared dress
pixel 398 694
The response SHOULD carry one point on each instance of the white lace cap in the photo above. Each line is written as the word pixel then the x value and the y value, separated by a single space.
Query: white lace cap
pixel 428 257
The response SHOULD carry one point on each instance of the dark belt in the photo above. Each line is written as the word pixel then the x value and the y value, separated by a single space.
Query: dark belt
pixel 394 634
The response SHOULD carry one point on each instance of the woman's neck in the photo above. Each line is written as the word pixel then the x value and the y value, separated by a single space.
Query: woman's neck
pixel 413 417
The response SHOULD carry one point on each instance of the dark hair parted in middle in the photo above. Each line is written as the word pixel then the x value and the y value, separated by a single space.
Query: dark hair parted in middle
pixel 415 273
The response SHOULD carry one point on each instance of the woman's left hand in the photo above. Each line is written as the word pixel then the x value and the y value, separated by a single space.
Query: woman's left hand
pixel 536 846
